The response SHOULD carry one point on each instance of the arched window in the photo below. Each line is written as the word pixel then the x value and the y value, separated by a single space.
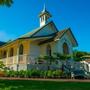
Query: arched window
pixel 21 49
pixel 4 54
pixel 11 52
pixel 41 19
pixel 48 48
pixel 87 67
pixel 65 48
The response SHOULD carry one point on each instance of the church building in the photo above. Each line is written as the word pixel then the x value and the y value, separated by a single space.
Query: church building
pixel 21 54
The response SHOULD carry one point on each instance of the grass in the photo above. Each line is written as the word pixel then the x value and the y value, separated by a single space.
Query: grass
pixel 42 85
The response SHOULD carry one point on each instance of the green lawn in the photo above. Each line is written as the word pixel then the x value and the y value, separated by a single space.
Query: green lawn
pixel 42 85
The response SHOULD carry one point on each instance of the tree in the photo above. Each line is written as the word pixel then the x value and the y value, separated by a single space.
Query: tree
pixel 6 2
pixel 77 55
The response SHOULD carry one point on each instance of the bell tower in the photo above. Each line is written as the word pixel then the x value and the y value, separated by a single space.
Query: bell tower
pixel 44 16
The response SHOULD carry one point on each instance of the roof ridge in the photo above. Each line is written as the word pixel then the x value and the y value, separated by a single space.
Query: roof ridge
pixel 65 29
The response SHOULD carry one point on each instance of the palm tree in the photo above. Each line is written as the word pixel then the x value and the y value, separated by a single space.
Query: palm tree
pixel 6 2
pixel 49 60
pixel 63 58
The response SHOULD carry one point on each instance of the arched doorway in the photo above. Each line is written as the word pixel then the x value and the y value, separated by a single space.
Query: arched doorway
pixel 66 52
pixel 21 56
pixel 65 48
pixel 48 50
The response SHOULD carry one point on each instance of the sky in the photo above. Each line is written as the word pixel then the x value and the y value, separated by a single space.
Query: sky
pixel 23 17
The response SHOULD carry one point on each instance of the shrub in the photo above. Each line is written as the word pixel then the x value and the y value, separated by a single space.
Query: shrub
pixel 43 74
pixel 35 73
pixel 16 73
pixel 49 74
pixel 57 73
pixel 10 73
pixel 66 75
pixel 22 73
pixel 28 73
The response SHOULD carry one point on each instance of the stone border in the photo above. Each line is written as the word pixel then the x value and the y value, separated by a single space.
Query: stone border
pixel 41 79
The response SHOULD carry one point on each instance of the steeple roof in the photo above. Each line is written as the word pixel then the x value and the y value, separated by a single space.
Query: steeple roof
pixel 44 11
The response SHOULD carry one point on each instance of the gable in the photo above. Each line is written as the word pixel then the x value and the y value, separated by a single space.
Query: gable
pixel 46 31
pixel 69 35
pixel 64 35
pixel 72 38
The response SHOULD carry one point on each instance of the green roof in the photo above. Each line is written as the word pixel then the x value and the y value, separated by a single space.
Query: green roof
pixel 30 34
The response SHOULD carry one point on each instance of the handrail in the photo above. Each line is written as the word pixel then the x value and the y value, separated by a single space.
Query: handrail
pixel 19 59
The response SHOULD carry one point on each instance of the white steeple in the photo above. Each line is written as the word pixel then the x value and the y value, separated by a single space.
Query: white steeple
pixel 44 16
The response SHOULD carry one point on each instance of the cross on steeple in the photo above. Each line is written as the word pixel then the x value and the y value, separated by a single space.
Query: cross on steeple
pixel 44 7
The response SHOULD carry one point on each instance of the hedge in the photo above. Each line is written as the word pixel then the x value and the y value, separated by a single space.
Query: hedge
pixel 36 74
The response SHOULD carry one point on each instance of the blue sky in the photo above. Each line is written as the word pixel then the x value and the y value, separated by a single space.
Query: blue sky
pixel 22 17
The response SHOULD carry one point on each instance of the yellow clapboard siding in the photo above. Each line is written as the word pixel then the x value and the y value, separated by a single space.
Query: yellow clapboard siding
pixel 15 46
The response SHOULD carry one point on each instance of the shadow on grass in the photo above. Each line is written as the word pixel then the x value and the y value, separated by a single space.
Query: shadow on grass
pixel 42 85
pixel 10 85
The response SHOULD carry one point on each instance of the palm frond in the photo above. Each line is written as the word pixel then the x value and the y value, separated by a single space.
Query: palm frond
pixel 6 2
